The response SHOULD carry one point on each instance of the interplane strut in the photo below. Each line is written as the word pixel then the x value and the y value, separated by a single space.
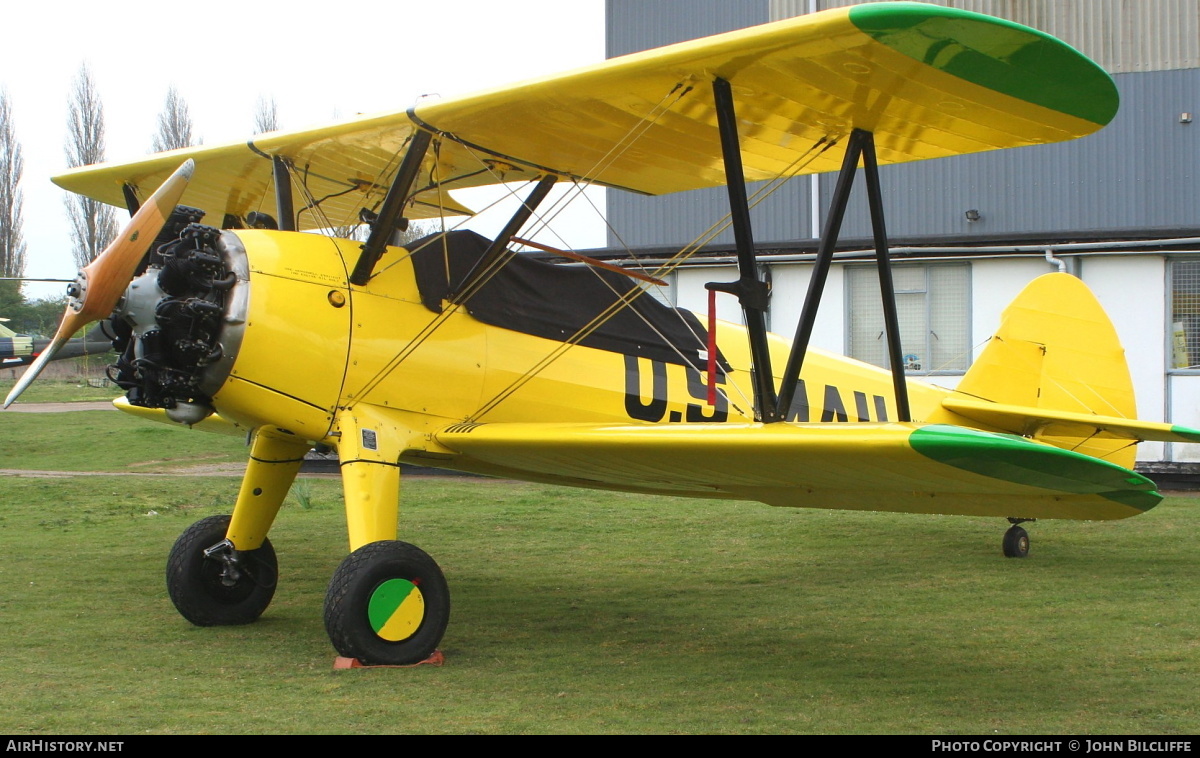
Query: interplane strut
pixel 753 293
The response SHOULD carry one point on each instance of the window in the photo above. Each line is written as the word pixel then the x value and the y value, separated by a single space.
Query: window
pixel 1184 352
pixel 932 304
pixel 665 295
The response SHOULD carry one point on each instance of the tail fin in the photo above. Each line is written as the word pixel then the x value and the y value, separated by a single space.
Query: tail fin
pixel 1057 354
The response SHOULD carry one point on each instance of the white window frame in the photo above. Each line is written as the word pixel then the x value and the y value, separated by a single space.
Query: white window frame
pixel 869 270
pixel 1170 317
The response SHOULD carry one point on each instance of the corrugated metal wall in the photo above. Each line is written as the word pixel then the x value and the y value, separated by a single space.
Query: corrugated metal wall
pixel 635 25
pixel 1135 176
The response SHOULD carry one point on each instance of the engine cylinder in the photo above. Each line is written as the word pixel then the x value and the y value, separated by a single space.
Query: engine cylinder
pixel 179 324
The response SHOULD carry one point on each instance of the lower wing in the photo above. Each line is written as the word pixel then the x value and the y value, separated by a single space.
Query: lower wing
pixel 885 467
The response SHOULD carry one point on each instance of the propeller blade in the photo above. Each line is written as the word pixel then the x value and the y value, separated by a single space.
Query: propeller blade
pixel 35 368
pixel 105 279
pixel 101 283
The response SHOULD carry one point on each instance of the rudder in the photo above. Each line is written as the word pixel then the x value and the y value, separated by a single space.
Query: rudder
pixel 1057 350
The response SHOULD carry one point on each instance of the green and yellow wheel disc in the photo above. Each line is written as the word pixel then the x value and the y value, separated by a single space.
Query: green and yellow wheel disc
pixel 396 610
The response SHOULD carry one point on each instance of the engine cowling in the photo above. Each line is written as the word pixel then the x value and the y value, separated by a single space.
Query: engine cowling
pixel 251 324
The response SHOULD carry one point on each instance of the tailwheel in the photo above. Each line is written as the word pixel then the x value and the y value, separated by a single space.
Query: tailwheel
pixel 1016 541
pixel 388 604
pixel 213 584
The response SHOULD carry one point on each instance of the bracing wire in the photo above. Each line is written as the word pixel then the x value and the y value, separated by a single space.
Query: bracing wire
pixel 483 277
pixel 543 221
pixel 671 265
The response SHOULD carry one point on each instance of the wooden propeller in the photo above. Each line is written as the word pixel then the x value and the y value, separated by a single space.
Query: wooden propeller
pixel 100 284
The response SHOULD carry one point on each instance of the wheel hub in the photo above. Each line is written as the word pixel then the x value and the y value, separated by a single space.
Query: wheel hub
pixel 396 609
pixel 224 553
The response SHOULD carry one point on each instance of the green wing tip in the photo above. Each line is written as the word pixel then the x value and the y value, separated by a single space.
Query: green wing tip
pixel 1010 458
pixel 1137 499
pixel 1004 56
pixel 1190 434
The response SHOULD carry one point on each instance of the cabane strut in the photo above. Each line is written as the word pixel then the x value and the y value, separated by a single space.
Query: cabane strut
pixel 389 213
pixel 285 209
pixel 499 247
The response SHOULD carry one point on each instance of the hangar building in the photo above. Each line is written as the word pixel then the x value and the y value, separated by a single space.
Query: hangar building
pixel 1120 209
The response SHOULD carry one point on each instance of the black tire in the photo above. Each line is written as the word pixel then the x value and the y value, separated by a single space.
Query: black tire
pixel 202 589
pixel 1016 542
pixel 388 604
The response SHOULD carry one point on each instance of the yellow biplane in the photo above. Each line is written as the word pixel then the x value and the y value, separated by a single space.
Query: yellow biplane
pixel 454 351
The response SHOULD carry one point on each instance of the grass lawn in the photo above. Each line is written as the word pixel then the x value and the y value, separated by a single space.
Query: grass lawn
pixel 588 612
pixel 61 390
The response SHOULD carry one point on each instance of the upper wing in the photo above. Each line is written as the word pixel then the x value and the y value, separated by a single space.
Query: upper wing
pixel 928 81
pixel 886 467
pixel 336 170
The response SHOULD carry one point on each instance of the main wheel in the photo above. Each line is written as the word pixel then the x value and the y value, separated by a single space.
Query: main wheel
pixel 388 604
pixel 1016 542
pixel 225 587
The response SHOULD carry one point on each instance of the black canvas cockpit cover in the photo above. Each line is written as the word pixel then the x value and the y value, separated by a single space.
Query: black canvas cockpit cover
pixel 556 302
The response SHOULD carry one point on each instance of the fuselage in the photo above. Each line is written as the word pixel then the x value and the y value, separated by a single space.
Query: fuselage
pixel 380 345
pixel 276 341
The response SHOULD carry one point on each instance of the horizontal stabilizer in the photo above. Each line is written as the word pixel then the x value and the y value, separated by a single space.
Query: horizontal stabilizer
pixel 1030 422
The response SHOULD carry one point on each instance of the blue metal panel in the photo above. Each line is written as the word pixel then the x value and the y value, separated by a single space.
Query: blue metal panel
pixel 635 25
pixel 1136 176
pixel 685 217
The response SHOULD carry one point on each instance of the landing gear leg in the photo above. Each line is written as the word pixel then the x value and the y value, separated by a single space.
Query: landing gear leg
pixel 211 583
pixel 1016 539
pixel 274 463
pixel 388 602
pixel 222 570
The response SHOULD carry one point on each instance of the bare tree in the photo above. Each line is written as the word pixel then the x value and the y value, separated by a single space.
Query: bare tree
pixel 174 124
pixel 12 165
pixel 266 117
pixel 94 223
pixel 359 232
